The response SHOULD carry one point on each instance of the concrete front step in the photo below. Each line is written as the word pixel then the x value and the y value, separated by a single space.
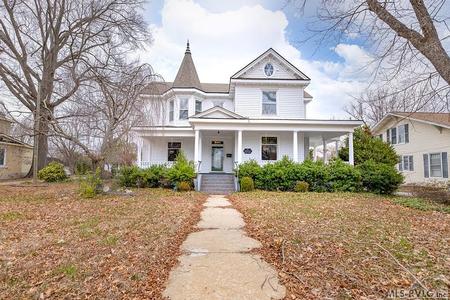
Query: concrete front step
pixel 217 183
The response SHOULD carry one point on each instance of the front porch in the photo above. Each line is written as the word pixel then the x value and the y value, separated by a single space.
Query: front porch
pixel 220 151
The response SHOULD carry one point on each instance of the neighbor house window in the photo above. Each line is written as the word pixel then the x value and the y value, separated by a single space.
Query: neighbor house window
pixel 398 135
pixel 171 110
pixel 2 157
pixel 198 106
pixel 184 109
pixel 269 148
pixel 269 103
pixel 406 163
pixel 173 150
pixel 435 165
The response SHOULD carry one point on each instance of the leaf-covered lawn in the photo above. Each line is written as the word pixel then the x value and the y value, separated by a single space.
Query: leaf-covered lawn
pixel 56 245
pixel 341 246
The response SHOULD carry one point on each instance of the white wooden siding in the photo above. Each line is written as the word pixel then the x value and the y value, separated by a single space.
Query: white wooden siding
pixel 290 104
pixel 280 71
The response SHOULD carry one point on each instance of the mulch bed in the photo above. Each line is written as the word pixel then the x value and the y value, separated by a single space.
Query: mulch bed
pixel 347 246
pixel 55 245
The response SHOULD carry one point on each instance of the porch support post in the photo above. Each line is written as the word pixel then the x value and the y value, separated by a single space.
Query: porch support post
pixel 336 146
pixel 139 151
pixel 351 159
pixel 239 146
pixel 196 142
pixel 324 142
pixel 295 146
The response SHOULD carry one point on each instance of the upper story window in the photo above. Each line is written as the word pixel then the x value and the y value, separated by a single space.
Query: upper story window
pixel 398 135
pixel 269 103
pixel 2 157
pixel 269 148
pixel 268 69
pixel 198 106
pixel 184 109
pixel 171 109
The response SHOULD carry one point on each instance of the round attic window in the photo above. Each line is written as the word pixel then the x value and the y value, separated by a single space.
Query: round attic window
pixel 268 69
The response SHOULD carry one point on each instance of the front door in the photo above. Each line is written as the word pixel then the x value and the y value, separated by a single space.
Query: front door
pixel 217 158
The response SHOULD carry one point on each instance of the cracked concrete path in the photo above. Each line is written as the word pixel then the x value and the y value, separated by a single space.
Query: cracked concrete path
pixel 216 264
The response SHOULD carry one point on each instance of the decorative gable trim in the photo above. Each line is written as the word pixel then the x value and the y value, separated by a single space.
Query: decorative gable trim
pixel 227 114
pixel 283 60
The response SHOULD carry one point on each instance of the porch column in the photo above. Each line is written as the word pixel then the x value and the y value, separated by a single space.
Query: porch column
pixel 324 142
pixel 295 146
pixel 351 159
pixel 239 147
pixel 336 146
pixel 139 151
pixel 196 140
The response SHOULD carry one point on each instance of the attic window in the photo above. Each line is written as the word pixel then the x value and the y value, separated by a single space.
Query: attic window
pixel 268 69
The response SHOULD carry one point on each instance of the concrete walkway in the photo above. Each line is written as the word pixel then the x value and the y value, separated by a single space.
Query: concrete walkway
pixel 216 263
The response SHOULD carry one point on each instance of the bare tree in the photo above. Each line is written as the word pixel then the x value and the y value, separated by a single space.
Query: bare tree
pixel 49 48
pixel 98 118
pixel 405 38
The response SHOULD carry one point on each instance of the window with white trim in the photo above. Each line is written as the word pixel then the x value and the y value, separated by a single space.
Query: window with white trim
pixel 435 165
pixel 2 157
pixel 269 145
pixel 184 109
pixel 171 110
pixel 269 103
pixel 406 163
pixel 173 150
pixel 198 106
pixel 398 135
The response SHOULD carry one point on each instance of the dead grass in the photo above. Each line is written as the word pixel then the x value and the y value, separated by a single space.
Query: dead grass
pixel 346 246
pixel 56 245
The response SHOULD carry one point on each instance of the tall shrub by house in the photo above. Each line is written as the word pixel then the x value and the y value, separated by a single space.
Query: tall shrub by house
pixel 181 170
pixel 380 178
pixel 367 147
pixel 53 172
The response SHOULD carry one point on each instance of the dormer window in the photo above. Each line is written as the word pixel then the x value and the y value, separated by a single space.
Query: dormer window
pixel 268 69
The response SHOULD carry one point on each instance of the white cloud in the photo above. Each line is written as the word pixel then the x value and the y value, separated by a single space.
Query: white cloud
pixel 223 42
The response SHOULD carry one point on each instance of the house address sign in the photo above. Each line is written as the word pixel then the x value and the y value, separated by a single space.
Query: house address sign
pixel 248 151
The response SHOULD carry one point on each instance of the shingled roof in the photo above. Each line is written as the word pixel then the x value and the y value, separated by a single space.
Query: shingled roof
pixel 187 76
pixel 438 118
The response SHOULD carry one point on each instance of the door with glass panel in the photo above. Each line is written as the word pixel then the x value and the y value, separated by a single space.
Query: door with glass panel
pixel 217 158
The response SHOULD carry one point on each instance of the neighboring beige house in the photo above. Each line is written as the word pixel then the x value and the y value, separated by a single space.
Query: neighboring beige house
pixel 422 141
pixel 15 156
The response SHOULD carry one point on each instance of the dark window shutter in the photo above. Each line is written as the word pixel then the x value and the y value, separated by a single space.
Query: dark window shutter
pixel 411 163
pixel 444 165
pixel 388 136
pixel 394 135
pixel 426 169
pixel 406 133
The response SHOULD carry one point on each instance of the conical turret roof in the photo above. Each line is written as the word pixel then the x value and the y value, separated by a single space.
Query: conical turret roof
pixel 187 76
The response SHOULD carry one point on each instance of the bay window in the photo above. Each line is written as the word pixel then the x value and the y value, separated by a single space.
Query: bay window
pixel 184 109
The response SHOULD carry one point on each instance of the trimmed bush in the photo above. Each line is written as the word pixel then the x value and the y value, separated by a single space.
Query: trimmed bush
pixel 249 169
pixel 129 176
pixel 53 172
pixel 182 170
pixel 301 187
pixel 91 184
pixel 316 174
pixel 380 178
pixel 280 175
pixel 344 177
pixel 247 184
pixel 184 186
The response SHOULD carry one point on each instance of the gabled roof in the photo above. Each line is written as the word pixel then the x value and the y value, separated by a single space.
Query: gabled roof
pixel 437 119
pixel 217 112
pixel 269 51
pixel 187 76
pixel 4 138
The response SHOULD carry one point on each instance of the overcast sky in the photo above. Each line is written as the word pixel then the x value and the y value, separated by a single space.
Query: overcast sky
pixel 226 35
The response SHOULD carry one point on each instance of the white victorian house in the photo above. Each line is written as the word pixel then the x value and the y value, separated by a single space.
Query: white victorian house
pixel 259 114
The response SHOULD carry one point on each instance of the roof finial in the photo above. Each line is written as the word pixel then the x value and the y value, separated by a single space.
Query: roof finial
pixel 188 50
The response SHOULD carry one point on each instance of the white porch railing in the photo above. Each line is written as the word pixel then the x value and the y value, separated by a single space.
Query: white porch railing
pixel 146 164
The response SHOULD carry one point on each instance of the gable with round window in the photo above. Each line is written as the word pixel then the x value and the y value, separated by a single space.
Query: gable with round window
pixel 268 69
